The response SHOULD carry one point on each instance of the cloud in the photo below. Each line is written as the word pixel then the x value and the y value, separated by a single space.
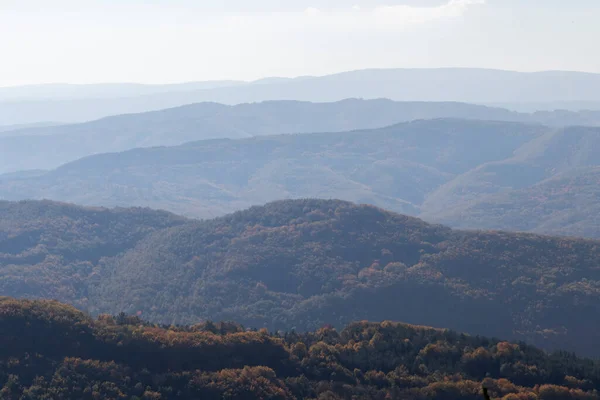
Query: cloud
pixel 390 16
pixel 312 11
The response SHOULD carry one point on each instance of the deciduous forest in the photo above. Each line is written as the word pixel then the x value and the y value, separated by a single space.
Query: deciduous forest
pixel 52 351
pixel 302 264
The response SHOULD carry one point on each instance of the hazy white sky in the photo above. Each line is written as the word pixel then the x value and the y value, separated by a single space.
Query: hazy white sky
pixel 156 41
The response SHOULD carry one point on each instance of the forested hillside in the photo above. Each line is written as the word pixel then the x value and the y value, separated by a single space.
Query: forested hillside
pixel 51 351
pixel 52 250
pixel 302 264
pixel 548 185
pixel 466 174
pixel 394 167
pixel 567 203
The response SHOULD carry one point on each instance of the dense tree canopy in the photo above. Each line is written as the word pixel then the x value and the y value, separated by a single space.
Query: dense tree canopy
pixel 52 351
pixel 303 264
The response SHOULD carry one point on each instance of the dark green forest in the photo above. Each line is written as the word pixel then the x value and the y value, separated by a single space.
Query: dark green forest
pixel 301 264
pixel 49 350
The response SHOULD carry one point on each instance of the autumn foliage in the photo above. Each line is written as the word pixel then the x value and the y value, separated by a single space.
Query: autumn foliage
pixel 52 351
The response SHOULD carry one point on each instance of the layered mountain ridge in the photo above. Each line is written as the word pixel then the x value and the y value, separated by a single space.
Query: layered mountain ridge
pixel 463 173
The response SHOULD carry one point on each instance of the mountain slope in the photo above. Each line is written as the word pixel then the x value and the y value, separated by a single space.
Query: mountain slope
pixel 464 173
pixel 495 191
pixel 393 167
pixel 50 147
pixel 50 249
pixel 564 204
pixel 301 264
pixel 306 263
pixel 449 84
pixel 123 358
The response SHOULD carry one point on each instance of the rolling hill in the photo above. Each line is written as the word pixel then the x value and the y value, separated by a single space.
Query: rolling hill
pixel 122 357
pixel 38 234
pixel 548 186
pixel 466 174
pixel 49 147
pixel 394 167
pixel 302 264
pixel 566 204
pixel 463 173
pixel 445 84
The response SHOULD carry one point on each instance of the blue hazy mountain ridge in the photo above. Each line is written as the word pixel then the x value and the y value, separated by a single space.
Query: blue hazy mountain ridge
pixel 51 146
pixel 556 152
pixel 445 84
pixel 549 185
pixel 396 167
pixel 464 173
pixel 11 130
pixel 565 204
pixel 65 91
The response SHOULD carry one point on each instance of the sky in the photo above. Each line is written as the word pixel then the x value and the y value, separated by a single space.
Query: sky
pixel 167 41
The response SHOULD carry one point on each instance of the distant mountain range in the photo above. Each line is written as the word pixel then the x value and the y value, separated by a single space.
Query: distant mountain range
pixel 303 264
pixel 65 91
pixel 50 146
pixel 72 103
pixel 464 173
pixel 395 167
pixel 8 130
